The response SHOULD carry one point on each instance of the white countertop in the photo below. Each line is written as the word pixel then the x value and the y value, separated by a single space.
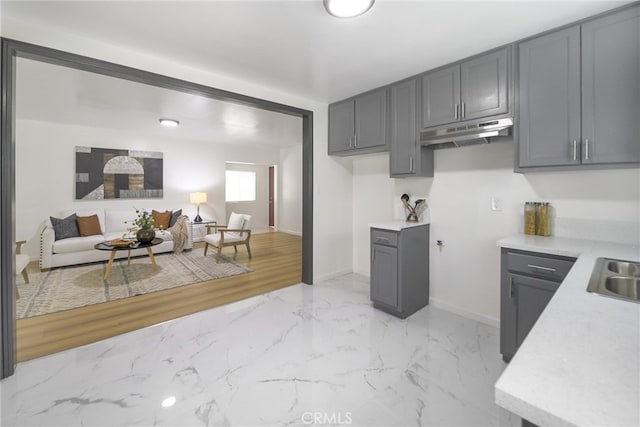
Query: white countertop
pixel 396 225
pixel 580 364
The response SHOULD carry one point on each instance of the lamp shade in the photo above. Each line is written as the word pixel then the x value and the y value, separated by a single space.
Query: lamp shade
pixel 198 197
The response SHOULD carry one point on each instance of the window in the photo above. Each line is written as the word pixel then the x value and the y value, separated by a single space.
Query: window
pixel 240 186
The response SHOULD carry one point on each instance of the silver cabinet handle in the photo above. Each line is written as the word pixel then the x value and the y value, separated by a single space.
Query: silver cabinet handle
pixel 586 149
pixel 455 111
pixel 411 164
pixel 510 287
pixel 350 141
pixel 575 149
pixel 553 270
pixel 382 239
pixel 463 110
pixel 355 141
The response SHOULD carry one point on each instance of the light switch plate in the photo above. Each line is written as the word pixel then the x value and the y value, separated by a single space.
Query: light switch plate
pixel 496 204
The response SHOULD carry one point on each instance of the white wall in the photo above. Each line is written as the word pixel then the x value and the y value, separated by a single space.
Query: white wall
pixel 332 240
pixel 602 205
pixel 289 194
pixel 45 167
pixel 259 208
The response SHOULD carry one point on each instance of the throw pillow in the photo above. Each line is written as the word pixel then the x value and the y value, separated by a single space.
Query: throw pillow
pixel 161 219
pixel 88 225
pixel 174 217
pixel 65 228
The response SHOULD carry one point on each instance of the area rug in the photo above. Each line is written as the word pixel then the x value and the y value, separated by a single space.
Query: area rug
pixel 72 287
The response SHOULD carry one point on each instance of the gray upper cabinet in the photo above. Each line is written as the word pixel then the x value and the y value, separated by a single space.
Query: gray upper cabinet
pixel 483 86
pixel 579 95
pixel 470 90
pixel 341 126
pixel 611 88
pixel 406 157
pixel 359 125
pixel 549 92
pixel 440 96
pixel 371 120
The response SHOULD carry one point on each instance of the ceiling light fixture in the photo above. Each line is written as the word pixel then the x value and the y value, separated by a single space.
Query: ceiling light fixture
pixel 347 8
pixel 170 123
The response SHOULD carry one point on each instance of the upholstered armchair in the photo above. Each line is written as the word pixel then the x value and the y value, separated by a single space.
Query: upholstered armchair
pixel 236 232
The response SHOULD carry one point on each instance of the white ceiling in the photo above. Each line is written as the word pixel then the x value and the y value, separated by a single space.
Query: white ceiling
pixel 295 46
pixel 52 93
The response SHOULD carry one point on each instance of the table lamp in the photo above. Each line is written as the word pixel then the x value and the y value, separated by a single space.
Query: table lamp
pixel 198 198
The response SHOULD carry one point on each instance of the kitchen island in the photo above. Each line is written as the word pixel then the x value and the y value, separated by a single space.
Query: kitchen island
pixel 580 364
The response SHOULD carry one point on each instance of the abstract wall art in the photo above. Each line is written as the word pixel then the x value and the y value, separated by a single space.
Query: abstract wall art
pixel 107 173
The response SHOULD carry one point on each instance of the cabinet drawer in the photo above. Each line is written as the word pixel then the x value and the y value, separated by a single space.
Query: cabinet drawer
pixel 539 266
pixel 381 237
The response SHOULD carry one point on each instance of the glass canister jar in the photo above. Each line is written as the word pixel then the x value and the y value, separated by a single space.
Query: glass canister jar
pixel 529 218
pixel 542 215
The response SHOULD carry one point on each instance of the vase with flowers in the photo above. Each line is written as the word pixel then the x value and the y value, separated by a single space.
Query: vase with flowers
pixel 143 226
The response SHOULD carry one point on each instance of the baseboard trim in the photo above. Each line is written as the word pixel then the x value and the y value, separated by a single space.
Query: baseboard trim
pixel 324 277
pixel 295 233
pixel 487 320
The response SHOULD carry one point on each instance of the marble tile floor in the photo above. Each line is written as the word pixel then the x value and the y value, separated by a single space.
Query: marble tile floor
pixel 303 355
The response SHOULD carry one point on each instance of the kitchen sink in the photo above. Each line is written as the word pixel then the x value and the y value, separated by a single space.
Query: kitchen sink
pixel 616 279
pixel 624 268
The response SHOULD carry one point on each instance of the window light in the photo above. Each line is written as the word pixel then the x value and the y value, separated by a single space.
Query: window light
pixel 240 186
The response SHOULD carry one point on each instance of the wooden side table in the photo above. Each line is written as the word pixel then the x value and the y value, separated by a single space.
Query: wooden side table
pixel 199 229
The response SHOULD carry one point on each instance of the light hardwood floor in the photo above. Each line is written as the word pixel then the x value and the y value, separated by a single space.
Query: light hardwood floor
pixel 276 263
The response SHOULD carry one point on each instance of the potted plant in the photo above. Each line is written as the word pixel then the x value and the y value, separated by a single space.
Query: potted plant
pixel 143 226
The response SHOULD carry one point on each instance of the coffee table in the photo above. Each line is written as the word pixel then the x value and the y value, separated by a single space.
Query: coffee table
pixel 105 246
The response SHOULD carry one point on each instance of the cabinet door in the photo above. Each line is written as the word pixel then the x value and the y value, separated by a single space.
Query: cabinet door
pixel 532 296
pixel 549 99
pixel 402 123
pixel 611 88
pixel 441 97
pixel 508 345
pixel 483 86
pixel 384 275
pixel 341 119
pixel 371 119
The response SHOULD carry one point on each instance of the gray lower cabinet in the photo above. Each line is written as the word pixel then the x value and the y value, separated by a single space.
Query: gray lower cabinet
pixel 528 281
pixel 472 89
pixel 359 125
pixel 579 95
pixel 400 270
pixel 406 157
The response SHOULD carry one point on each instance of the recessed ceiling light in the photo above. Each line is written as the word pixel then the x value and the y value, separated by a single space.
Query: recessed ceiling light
pixel 170 123
pixel 347 8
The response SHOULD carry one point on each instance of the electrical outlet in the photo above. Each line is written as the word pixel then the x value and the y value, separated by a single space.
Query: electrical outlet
pixel 496 204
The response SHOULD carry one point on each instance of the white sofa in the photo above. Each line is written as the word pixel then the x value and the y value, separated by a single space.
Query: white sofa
pixel 80 250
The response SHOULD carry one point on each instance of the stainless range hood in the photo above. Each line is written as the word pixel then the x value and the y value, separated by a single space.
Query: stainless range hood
pixel 459 136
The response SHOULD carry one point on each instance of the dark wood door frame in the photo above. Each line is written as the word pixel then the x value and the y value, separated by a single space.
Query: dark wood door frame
pixel 12 49
pixel 272 194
